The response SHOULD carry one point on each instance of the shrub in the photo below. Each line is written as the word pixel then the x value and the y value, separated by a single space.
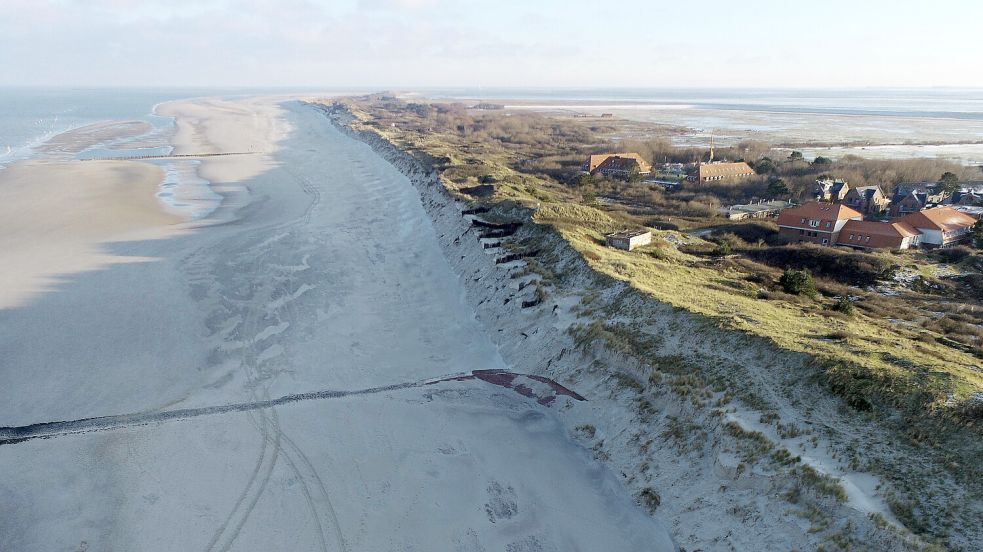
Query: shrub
pixel 650 498
pixel 750 232
pixel 844 305
pixel 953 255
pixel 798 282
pixel 851 267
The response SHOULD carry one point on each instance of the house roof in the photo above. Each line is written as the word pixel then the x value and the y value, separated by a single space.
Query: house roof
pixel 867 191
pixel 815 210
pixel 921 191
pixel 616 163
pixel 942 218
pixel 881 234
pixel 705 170
pixel 627 234
pixel 832 187
pixel 594 161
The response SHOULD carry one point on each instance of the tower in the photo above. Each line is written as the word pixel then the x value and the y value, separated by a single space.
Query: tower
pixel 711 147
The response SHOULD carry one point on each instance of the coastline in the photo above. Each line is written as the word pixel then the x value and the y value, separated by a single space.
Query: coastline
pixel 545 339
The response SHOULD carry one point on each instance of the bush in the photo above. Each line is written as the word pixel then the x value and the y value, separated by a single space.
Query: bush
pixel 850 267
pixel 798 282
pixel 650 498
pixel 750 232
pixel 845 306
pixel 953 255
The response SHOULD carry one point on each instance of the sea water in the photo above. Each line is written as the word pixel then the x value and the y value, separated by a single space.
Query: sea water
pixel 31 117
pixel 943 122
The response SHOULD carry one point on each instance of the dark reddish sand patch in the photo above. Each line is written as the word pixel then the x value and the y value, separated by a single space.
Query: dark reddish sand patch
pixel 513 381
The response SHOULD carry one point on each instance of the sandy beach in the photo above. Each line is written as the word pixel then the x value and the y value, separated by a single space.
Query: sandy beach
pixel 319 271
pixel 61 218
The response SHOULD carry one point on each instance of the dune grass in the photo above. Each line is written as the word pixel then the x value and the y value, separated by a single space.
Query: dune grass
pixel 865 359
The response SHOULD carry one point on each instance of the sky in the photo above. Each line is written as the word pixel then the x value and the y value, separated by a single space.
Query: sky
pixel 502 43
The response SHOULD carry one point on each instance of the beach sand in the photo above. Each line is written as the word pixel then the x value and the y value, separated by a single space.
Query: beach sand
pixel 56 217
pixel 320 271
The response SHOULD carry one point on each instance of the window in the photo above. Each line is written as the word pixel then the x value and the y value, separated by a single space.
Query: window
pixel 868 239
pixel 851 237
pixel 803 221
pixel 802 232
pixel 828 223
pixel 825 242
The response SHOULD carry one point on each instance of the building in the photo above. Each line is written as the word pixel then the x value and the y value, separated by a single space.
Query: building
pixel 815 222
pixel 629 239
pixel 761 209
pixel 907 204
pixel 912 197
pixel 616 164
pixel 975 211
pixel 967 195
pixel 829 190
pixel 677 169
pixel 941 226
pixel 867 199
pixel 713 172
pixel 879 235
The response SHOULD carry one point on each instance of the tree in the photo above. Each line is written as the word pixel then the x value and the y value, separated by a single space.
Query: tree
pixel 764 166
pixel 948 184
pixel 583 179
pixel 822 162
pixel 795 156
pixel 978 234
pixel 798 282
pixel 776 187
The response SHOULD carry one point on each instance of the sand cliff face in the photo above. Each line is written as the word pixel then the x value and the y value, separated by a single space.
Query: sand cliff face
pixel 722 474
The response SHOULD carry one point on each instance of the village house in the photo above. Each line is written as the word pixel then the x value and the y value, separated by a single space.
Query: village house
pixel 967 195
pixel 867 199
pixel 941 226
pixel 830 190
pixel 628 239
pixel 910 198
pixel 713 172
pixel 975 211
pixel 815 222
pixel 907 204
pixel 878 235
pixel 616 164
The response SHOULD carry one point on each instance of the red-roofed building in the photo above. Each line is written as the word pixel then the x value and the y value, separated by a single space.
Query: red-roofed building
pixel 712 172
pixel 879 235
pixel 941 226
pixel 616 164
pixel 815 222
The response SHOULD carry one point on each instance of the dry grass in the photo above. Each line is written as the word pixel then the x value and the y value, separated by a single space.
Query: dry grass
pixel 867 357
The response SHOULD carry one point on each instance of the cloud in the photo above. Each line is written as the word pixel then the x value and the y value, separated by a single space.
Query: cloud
pixel 399 4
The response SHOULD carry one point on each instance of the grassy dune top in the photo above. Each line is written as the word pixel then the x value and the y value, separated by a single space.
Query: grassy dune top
pixel 891 350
